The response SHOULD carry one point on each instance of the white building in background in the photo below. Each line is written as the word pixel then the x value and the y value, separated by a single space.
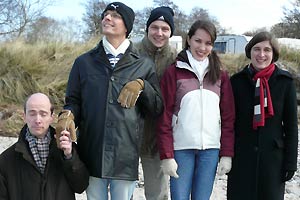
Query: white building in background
pixel 234 44
pixel 289 42
pixel 176 42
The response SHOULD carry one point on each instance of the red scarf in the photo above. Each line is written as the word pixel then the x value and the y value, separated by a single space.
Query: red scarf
pixel 263 107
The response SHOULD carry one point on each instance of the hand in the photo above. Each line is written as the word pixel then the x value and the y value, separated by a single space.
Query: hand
pixel 65 122
pixel 130 93
pixel 287 175
pixel 65 143
pixel 169 167
pixel 224 165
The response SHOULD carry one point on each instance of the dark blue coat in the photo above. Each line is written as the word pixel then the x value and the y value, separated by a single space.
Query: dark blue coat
pixel 110 135
pixel 263 155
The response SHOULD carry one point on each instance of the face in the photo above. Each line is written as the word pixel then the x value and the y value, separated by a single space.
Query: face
pixel 159 33
pixel 38 115
pixel 200 44
pixel 113 24
pixel 261 55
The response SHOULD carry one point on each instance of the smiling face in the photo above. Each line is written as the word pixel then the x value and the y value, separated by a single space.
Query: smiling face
pixel 200 44
pixel 113 24
pixel 159 33
pixel 38 115
pixel 261 55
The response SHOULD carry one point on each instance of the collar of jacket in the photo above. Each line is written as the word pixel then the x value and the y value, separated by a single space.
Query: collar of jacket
pixel 277 72
pixel 22 144
pixel 152 50
pixel 110 49
pixel 182 56
pixel 183 62
pixel 99 49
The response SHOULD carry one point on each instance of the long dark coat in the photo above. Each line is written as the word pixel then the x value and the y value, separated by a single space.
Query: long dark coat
pixel 110 136
pixel 262 155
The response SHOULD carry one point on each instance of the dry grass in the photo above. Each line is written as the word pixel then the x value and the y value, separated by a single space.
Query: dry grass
pixel 45 67
pixel 233 62
pixel 25 69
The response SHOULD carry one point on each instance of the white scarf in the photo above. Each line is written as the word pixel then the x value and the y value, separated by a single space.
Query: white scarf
pixel 110 49
pixel 199 67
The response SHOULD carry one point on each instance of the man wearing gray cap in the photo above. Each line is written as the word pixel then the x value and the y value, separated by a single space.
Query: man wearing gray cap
pixel 110 90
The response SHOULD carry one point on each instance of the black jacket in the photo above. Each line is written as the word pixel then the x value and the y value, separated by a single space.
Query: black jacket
pixel 21 179
pixel 263 155
pixel 110 135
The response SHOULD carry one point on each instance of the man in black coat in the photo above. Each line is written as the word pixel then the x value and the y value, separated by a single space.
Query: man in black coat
pixel 110 90
pixel 34 167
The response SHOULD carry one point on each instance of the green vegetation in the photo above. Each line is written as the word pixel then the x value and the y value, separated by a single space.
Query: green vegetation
pixel 45 67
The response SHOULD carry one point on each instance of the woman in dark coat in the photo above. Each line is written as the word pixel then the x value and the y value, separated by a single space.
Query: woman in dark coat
pixel 266 131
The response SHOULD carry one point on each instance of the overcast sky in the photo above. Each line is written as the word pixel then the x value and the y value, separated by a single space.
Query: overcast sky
pixel 238 15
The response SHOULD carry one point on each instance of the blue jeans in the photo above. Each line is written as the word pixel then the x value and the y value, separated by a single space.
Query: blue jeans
pixel 196 170
pixel 119 189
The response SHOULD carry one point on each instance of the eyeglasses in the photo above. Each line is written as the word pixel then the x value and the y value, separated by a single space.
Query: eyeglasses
pixel 113 14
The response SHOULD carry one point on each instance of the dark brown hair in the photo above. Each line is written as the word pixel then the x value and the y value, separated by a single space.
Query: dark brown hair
pixel 214 68
pixel 260 37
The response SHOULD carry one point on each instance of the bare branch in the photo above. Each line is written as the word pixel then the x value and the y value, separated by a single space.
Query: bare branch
pixel 16 15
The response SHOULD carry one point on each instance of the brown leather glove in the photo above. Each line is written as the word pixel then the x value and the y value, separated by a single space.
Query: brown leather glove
pixel 130 93
pixel 65 122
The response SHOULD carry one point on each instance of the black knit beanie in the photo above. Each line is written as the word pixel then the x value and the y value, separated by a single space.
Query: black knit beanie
pixel 163 13
pixel 126 12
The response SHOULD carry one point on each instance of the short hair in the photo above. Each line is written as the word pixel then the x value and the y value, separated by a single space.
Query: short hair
pixel 260 37
pixel 51 104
